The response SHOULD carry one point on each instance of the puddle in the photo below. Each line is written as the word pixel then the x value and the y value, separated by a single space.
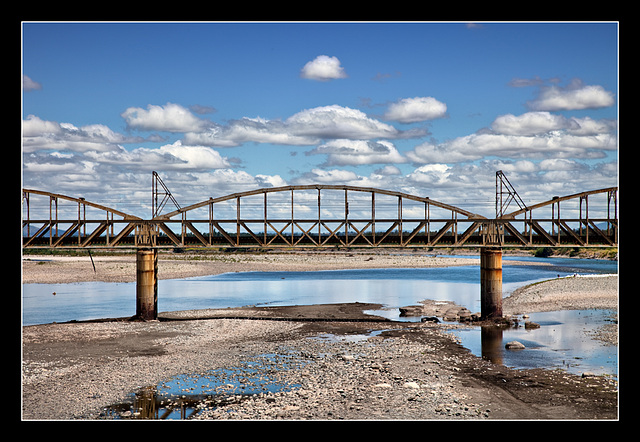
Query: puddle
pixel 184 396
pixel 563 341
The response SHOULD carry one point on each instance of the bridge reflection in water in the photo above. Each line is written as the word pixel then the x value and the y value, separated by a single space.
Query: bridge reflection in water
pixel 321 216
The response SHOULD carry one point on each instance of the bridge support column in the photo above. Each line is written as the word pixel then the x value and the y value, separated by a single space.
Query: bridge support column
pixel 491 282
pixel 147 284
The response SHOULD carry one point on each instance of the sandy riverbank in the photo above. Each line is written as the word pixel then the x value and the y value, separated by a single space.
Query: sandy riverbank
pixel 122 267
pixel 570 293
pixel 403 371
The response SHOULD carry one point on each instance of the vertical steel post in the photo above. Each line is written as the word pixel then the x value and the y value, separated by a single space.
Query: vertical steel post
pixel 265 218
pixel 237 221
pixel 373 217
pixel 210 222
pixel 491 282
pixel 346 219
pixel 400 220
pixel 147 284
pixel 26 197
pixel 319 220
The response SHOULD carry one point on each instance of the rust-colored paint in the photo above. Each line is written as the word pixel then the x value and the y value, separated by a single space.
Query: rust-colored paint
pixel 147 284
pixel 491 282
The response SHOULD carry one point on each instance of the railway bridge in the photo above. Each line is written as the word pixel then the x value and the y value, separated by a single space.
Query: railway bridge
pixel 321 216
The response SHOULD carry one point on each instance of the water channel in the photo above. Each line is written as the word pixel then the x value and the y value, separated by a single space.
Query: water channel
pixel 562 341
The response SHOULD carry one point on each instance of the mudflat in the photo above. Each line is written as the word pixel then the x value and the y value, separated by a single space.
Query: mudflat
pixel 392 371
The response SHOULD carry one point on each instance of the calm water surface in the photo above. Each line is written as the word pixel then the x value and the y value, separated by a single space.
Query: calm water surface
pixel 392 288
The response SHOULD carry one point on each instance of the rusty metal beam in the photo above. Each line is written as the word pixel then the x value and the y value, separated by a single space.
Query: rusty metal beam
pixel 319 187
pixel 82 201
pixel 467 233
pixel 441 232
pixel 557 200
pixel 316 231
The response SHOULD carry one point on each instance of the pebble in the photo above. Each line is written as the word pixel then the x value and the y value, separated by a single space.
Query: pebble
pixel 376 378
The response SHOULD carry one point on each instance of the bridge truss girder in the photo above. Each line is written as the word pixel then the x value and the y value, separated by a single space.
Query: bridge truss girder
pixel 186 227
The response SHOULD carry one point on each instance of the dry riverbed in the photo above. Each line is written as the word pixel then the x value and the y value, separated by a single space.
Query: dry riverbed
pixel 341 363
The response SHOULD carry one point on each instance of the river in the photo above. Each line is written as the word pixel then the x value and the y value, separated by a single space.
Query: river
pixel 561 342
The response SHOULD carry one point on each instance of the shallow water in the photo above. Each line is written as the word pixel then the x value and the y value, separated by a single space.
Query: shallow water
pixel 184 396
pixel 563 341
pixel 393 288
pixel 46 303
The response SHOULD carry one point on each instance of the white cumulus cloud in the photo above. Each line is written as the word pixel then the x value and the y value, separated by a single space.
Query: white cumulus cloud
pixel 304 128
pixel 171 157
pixel 323 68
pixel 412 110
pixel 168 118
pixel 357 152
pixel 530 123
pixel 38 134
pixel 575 96
pixel 338 122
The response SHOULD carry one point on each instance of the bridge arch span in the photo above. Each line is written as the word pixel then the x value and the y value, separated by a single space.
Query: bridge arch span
pixel 319 215
pixel 26 194
pixel 320 187
pixel 610 191
pixel 67 229
pixel 282 217
pixel 578 224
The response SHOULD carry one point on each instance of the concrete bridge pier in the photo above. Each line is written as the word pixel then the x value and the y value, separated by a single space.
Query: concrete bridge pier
pixel 147 284
pixel 491 282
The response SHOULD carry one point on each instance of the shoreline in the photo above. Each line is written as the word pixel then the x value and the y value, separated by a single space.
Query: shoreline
pixel 55 269
pixel 392 371
pixel 566 293
pixel 340 370
pixel 578 292
pixel 582 292
pixel 122 268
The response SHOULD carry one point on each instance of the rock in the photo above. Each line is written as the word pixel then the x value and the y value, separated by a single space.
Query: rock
pixel 412 385
pixel 514 345
pixel 531 325
pixel 411 310
pixel 430 319
pixel 464 314
pixel 451 314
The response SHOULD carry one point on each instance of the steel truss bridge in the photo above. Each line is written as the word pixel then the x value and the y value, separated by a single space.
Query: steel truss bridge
pixel 320 216
pixel 317 216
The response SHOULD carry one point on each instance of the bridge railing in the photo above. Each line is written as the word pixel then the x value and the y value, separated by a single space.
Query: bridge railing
pixel 53 220
pixel 320 216
pixel 316 216
pixel 582 219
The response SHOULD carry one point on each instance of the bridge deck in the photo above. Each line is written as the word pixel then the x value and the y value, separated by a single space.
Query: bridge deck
pixel 327 223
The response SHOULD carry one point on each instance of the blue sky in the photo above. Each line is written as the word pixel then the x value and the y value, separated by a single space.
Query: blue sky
pixel 427 108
